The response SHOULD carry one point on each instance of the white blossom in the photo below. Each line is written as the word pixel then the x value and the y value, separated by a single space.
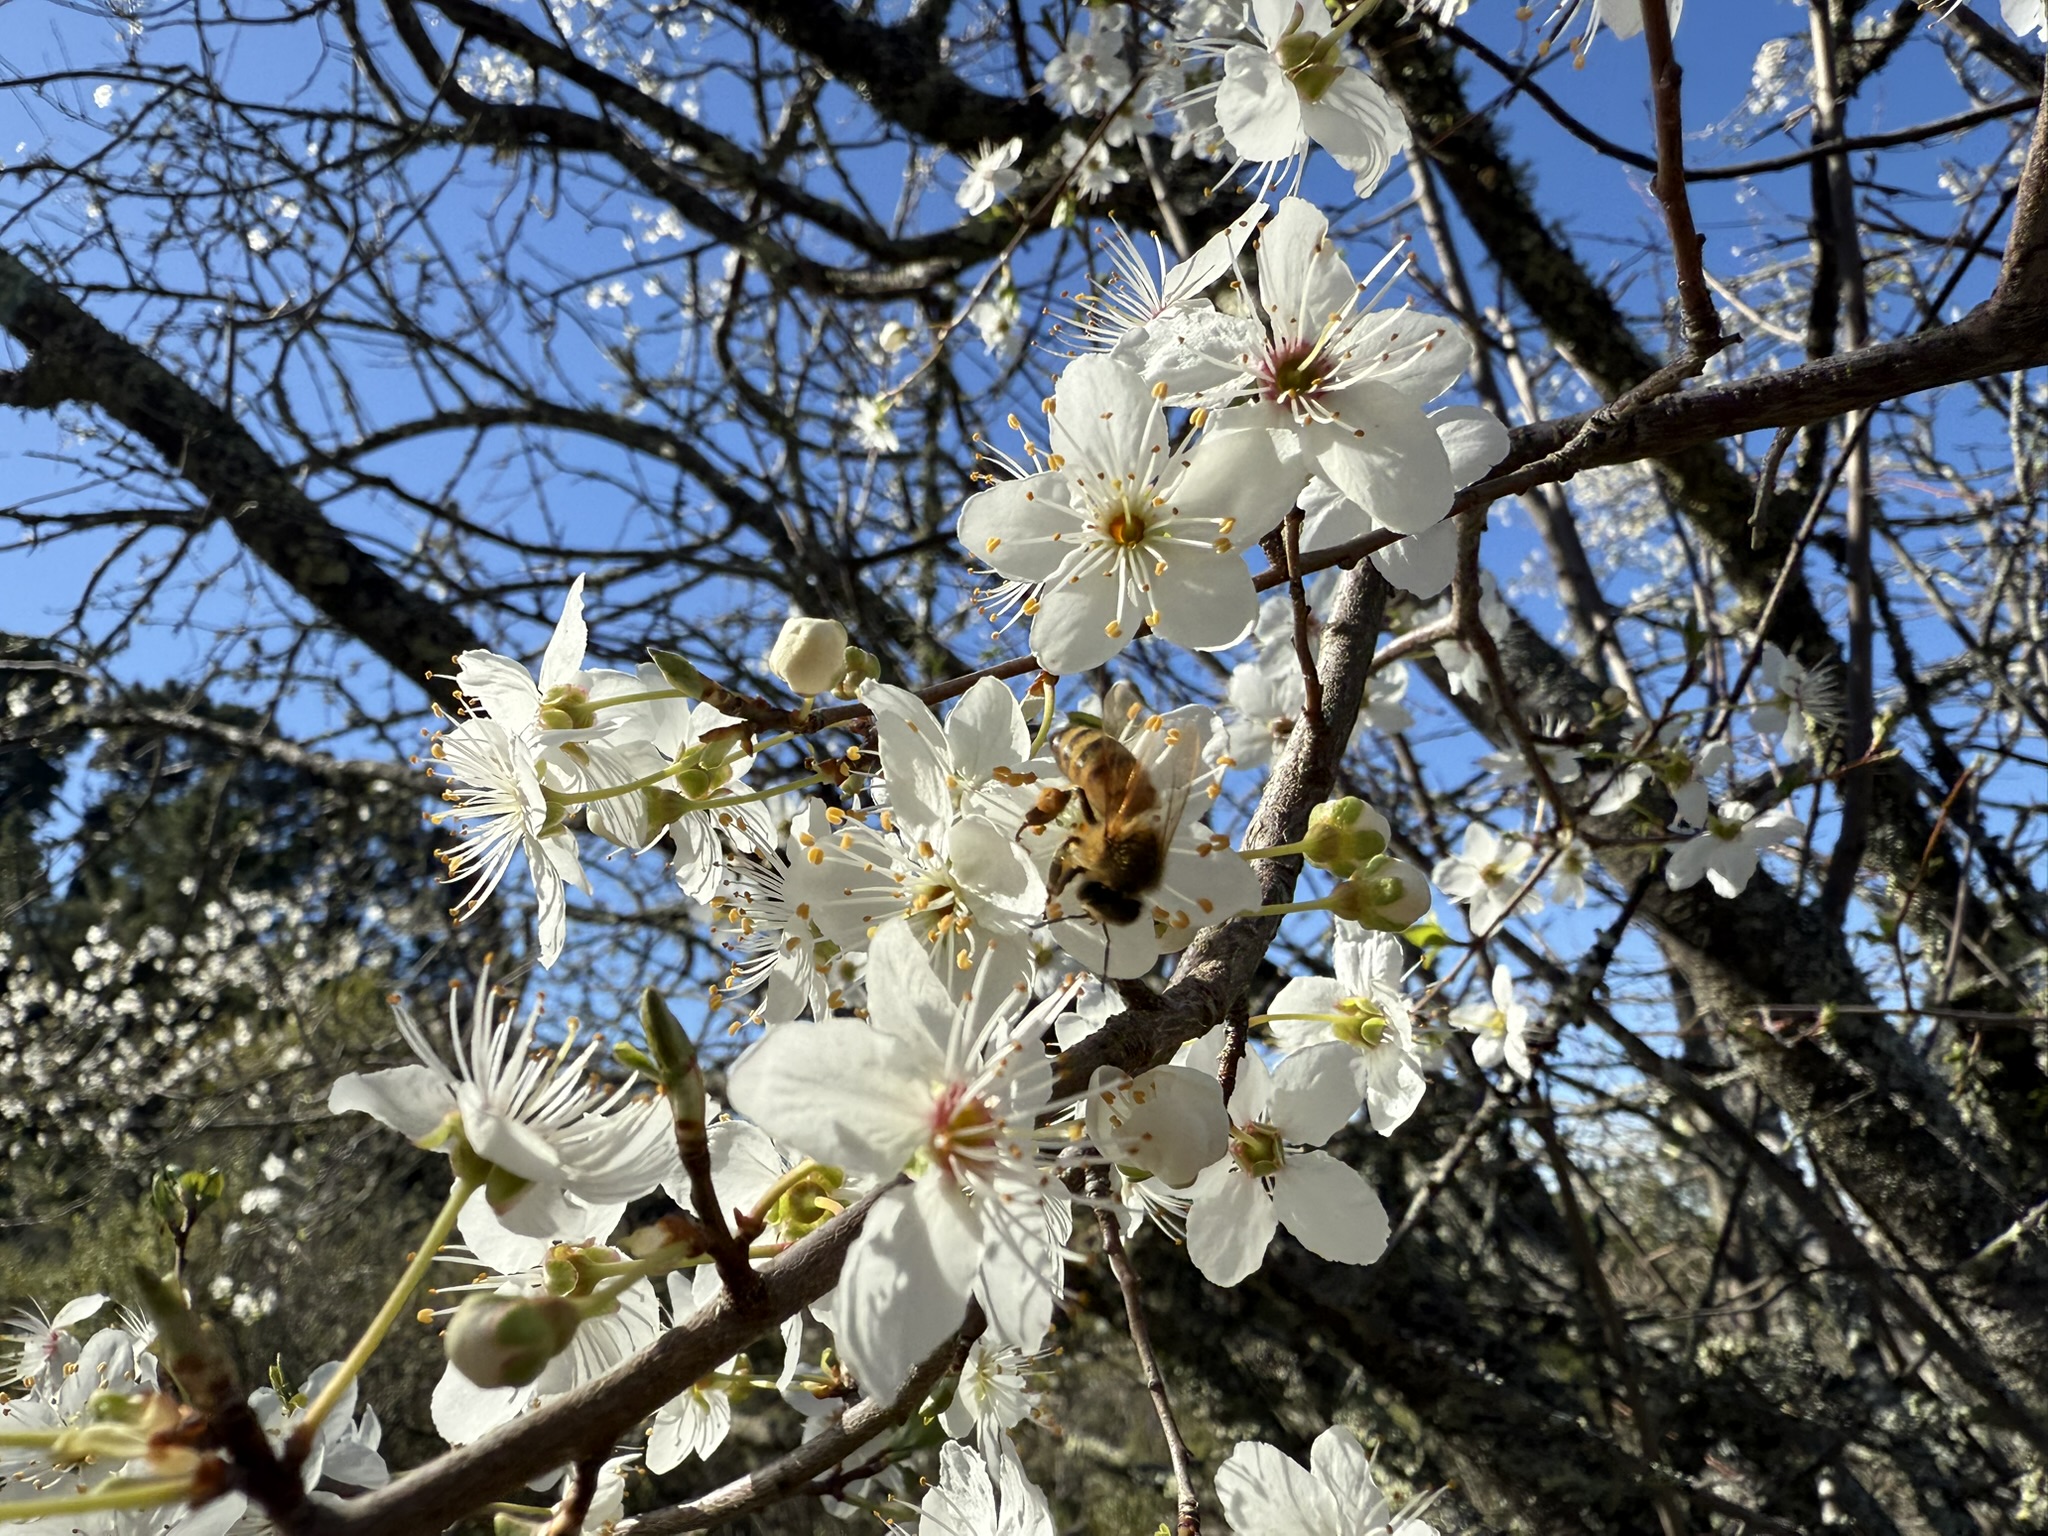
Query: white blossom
pixel 1364 1008
pixel 1485 873
pixel 991 176
pixel 1265 1493
pixel 1119 530
pixel 564 1145
pixel 968 1501
pixel 921 1088
pixel 1726 853
pixel 1088 73
pixel 1502 1025
pixel 1275 1178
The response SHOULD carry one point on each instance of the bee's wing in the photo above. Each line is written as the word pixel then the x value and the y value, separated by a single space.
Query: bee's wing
pixel 1169 760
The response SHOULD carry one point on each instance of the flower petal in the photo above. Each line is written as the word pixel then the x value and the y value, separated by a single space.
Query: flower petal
pixel 1011 526
pixel 1264 1493
pixel 413 1101
pixel 901 1291
pixel 1257 107
pixel 840 1090
pixel 1230 1225
pixel 1313 1094
pixel 1330 1209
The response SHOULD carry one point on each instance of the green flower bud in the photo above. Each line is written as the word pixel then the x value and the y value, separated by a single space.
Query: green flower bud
pixel 180 1196
pixel 1343 834
pixel 507 1341
pixel 675 1059
pixel 1387 895
pixel 808 1205
pixel 679 673
pixel 861 667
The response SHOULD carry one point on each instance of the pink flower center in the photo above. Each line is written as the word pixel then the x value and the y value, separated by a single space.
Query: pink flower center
pixel 1292 370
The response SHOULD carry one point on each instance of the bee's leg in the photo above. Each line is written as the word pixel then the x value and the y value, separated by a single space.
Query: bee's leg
pixel 1050 803
pixel 1060 871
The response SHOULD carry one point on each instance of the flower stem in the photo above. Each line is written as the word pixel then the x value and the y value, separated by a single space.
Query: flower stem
pixel 1282 908
pixel 653 781
pixel 648 697
pixel 316 1411
pixel 118 1493
pixel 759 794
pixel 1277 851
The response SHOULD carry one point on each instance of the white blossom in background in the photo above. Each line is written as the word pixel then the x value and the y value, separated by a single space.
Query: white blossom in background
pixel 1291 84
pixel 968 1501
pixel 1093 172
pixel 1726 853
pixel 993 1395
pixel 921 1088
pixel 1501 1024
pixel 696 1420
pixel 1089 73
pixel 1568 873
pixel 994 319
pixel 568 1143
pixel 1619 787
pixel 2025 16
pixel 1510 766
pixel 1121 531
pixel 1791 700
pixel 1485 873
pixel 1265 1493
pixel 991 176
pixel 1275 1177
pixel 1364 1008
pixel 1684 775
pixel 870 427
pixel 1265 696
pixel 1118 313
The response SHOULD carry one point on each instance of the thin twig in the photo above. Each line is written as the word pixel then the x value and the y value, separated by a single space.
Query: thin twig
pixel 790 1475
pixel 1699 323
pixel 1188 1503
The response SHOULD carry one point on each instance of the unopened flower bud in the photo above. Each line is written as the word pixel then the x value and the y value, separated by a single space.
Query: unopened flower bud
pixel 679 673
pixel 1387 895
pixel 1343 834
pixel 809 655
pixel 861 667
pixel 675 1059
pixel 507 1341
pixel 894 337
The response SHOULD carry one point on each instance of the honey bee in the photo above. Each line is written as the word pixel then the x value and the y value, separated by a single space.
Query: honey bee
pixel 1130 806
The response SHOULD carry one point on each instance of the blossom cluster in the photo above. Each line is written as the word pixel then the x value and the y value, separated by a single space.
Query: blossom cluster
pixel 926 919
